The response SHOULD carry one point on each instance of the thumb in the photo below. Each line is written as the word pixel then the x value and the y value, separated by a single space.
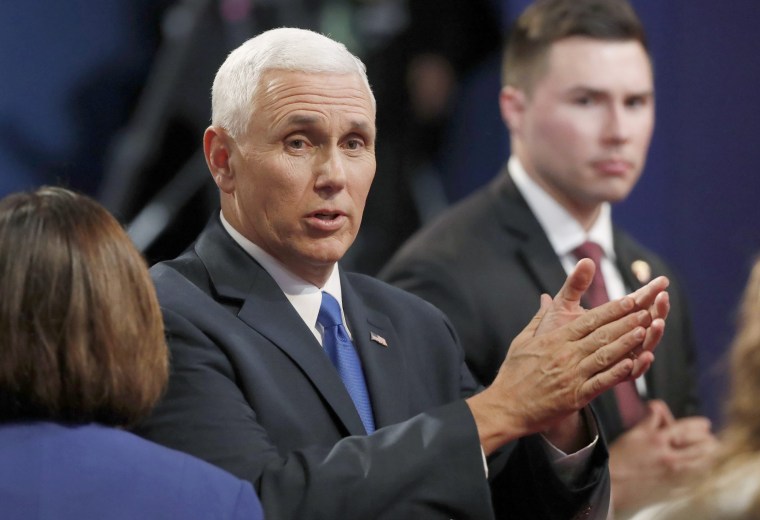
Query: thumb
pixel 658 416
pixel 576 284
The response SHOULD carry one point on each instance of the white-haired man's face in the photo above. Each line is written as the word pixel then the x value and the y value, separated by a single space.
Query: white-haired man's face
pixel 300 176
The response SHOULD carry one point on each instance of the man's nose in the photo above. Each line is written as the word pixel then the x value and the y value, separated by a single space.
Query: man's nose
pixel 330 168
pixel 617 124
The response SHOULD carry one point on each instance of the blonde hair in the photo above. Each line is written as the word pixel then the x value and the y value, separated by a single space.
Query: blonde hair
pixel 737 464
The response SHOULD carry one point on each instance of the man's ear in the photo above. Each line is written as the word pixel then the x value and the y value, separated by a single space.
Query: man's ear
pixel 512 103
pixel 217 147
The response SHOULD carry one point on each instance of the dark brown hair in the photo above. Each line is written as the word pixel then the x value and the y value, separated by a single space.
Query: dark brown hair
pixel 81 334
pixel 547 21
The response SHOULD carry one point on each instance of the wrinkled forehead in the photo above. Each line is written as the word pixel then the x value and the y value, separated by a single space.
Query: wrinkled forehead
pixel 315 80
pixel 278 88
pixel 331 102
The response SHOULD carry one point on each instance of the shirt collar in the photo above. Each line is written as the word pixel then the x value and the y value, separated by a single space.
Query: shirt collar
pixel 564 232
pixel 305 297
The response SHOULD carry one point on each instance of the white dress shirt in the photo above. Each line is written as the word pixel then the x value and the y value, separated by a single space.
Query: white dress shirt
pixel 305 297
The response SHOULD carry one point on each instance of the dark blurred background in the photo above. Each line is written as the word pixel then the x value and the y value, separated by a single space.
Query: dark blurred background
pixel 111 98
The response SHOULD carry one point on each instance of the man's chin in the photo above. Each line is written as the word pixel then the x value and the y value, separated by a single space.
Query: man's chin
pixel 327 254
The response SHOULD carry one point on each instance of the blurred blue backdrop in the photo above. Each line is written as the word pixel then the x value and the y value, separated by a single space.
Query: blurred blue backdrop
pixel 73 72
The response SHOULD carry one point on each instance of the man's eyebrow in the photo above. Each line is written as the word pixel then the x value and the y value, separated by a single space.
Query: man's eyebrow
pixel 307 120
pixel 597 92
pixel 301 119
pixel 362 126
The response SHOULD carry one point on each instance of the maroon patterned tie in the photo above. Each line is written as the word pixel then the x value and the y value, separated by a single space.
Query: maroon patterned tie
pixel 630 406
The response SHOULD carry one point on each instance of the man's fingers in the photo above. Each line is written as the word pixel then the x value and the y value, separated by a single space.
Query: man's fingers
pixel 690 430
pixel 641 364
pixel 650 298
pixel 604 380
pixel 660 409
pixel 654 334
pixel 604 324
pixel 646 296
pixel 607 346
pixel 576 284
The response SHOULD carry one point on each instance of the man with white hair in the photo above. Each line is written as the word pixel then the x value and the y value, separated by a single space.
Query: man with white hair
pixel 340 396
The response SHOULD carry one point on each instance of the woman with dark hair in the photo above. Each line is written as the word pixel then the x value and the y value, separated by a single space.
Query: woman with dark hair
pixel 82 355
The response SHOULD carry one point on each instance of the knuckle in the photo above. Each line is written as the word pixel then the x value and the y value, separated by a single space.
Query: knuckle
pixel 602 359
pixel 601 337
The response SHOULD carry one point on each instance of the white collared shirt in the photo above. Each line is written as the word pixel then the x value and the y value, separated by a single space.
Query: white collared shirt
pixel 565 233
pixel 305 297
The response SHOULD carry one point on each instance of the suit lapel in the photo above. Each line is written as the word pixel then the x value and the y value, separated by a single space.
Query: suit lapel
pixel 534 250
pixel 378 345
pixel 266 309
pixel 627 257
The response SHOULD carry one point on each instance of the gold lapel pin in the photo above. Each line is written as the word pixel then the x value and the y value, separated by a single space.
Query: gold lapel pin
pixel 642 271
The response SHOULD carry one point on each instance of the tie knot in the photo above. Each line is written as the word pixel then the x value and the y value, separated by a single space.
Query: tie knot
pixel 329 311
pixel 590 250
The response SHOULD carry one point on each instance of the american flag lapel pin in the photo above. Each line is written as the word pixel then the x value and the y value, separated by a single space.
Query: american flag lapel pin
pixel 377 338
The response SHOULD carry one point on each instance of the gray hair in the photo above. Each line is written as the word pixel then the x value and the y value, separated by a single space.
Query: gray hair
pixel 300 50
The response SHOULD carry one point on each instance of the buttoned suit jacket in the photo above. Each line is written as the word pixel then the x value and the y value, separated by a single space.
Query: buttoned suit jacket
pixel 485 262
pixel 52 471
pixel 252 391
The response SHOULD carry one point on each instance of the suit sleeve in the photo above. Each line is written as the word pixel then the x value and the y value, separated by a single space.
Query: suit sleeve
pixel 396 473
pixel 524 468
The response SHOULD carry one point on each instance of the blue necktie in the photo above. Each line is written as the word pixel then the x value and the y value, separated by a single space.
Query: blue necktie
pixel 343 355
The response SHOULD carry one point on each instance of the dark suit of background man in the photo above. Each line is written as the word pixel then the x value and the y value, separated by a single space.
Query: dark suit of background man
pixel 578 100
pixel 291 148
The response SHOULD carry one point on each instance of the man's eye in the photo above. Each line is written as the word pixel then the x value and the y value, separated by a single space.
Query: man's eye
pixel 354 144
pixel 297 144
pixel 584 101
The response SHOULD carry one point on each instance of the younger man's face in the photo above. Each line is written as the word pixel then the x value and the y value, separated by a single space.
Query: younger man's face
pixel 584 131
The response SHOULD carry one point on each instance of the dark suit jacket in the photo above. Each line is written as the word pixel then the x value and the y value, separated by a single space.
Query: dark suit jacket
pixel 485 262
pixel 50 471
pixel 252 391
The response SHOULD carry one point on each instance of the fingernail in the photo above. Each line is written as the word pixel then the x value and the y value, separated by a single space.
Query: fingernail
pixel 638 333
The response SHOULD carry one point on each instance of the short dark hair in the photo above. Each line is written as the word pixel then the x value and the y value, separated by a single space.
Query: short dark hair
pixel 547 21
pixel 81 333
